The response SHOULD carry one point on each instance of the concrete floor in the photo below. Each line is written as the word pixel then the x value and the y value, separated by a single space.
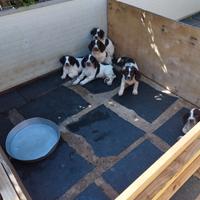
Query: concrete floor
pixel 102 136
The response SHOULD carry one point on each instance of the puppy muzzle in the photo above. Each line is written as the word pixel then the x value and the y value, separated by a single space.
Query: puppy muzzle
pixel 88 64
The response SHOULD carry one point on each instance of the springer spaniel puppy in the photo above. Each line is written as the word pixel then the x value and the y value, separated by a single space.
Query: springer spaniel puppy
pixel 130 74
pixel 191 119
pixel 71 66
pixel 98 50
pixel 99 34
pixel 92 69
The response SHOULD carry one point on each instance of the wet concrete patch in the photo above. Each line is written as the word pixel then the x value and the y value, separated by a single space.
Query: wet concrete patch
pixel 189 191
pixel 172 129
pixel 121 175
pixel 10 100
pixel 92 193
pixel 56 105
pixel 5 127
pixel 105 131
pixel 98 85
pixel 149 103
pixel 50 178
pixel 41 86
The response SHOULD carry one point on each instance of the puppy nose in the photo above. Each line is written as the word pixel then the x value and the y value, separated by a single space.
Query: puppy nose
pixel 67 64
pixel 95 37
pixel 88 63
pixel 191 120
pixel 95 49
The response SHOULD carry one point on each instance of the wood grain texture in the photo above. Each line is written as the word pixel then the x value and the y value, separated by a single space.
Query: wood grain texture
pixel 166 51
pixel 13 178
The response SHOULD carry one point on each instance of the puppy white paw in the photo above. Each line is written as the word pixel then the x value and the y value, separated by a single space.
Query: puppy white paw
pixel 62 77
pixel 135 92
pixel 82 83
pixel 120 93
pixel 75 82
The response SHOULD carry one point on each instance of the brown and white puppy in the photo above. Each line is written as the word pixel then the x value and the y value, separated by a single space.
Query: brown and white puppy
pixel 130 74
pixel 92 69
pixel 99 34
pixel 98 50
pixel 72 66
pixel 190 119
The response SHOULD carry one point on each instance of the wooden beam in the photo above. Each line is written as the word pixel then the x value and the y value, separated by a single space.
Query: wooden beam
pixel 13 176
pixel 179 179
pixel 137 187
pixel 6 189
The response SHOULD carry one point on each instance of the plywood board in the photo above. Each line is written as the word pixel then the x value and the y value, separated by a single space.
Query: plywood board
pixel 165 50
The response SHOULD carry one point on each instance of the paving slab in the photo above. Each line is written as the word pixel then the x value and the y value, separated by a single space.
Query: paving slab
pixel 93 192
pixel 10 100
pixel 148 104
pixel 105 131
pixel 172 129
pixel 41 86
pixel 55 105
pixel 121 175
pixel 50 178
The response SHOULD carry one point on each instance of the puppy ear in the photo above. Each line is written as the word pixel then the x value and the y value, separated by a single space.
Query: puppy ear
pixel 106 42
pixel 101 34
pixel 74 61
pixel 198 115
pixel 96 63
pixel 84 61
pixel 185 118
pixel 93 31
pixel 90 46
pixel 102 47
pixel 63 60
pixel 137 75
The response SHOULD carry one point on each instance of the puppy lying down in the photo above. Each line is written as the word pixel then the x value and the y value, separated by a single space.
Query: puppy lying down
pixel 72 66
pixel 92 69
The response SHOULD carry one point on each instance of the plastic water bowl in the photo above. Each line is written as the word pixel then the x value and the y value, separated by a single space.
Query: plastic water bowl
pixel 32 139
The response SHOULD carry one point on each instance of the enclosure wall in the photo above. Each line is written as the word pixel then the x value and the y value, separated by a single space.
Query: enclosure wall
pixel 166 51
pixel 32 41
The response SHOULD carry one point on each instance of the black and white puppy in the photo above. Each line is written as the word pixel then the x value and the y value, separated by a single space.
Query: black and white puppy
pixel 92 69
pixel 72 66
pixel 130 74
pixel 98 50
pixel 190 119
pixel 99 34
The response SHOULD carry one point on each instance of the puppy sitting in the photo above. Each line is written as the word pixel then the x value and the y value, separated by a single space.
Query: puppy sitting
pixel 71 66
pixel 191 119
pixel 92 69
pixel 99 34
pixel 98 50
pixel 130 74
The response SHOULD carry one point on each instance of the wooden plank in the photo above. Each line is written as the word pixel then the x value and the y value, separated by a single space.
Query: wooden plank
pixel 169 172
pixel 14 178
pixel 6 188
pixel 165 50
pixel 179 179
pixel 160 165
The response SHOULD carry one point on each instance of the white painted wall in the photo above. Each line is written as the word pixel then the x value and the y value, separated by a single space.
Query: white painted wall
pixel 32 41
pixel 173 9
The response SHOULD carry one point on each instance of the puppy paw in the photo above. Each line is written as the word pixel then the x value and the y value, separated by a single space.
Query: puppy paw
pixel 75 82
pixel 120 93
pixel 62 77
pixel 82 83
pixel 135 92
